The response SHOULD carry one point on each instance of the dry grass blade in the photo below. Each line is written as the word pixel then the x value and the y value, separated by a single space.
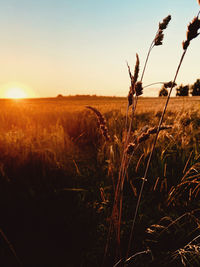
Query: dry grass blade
pixel 186 165
pixel 190 184
pixel 138 163
pixel 10 246
pixel 172 231
pixel 131 259
pixel 189 255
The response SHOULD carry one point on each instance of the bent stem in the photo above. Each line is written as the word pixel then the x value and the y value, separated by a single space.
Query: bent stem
pixel 151 153
pixel 152 84
pixel 147 58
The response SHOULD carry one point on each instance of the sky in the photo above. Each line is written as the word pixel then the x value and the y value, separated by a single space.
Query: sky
pixel 69 47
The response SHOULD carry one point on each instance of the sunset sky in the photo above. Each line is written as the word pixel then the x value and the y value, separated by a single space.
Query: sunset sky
pixel 51 47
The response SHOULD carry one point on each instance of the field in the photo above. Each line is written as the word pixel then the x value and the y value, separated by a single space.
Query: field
pixel 58 174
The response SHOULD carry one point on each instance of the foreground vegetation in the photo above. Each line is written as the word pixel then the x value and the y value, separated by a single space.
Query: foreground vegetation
pixel 101 191
pixel 58 176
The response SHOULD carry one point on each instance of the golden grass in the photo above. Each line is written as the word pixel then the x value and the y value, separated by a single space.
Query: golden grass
pixel 42 123
pixel 62 134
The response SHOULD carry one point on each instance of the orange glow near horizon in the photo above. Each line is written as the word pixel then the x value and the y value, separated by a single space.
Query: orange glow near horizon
pixel 16 91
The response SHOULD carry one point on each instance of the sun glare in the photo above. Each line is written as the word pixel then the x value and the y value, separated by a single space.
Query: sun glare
pixel 15 93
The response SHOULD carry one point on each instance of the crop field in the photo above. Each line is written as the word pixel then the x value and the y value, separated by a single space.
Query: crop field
pixel 59 174
pixel 88 180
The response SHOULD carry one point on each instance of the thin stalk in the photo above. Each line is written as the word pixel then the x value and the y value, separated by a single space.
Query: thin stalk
pixel 126 116
pixel 152 84
pixel 116 199
pixel 107 245
pixel 122 171
pixel 151 153
pixel 10 246
pixel 147 58
pixel 145 65
pixel 123 167
pixel 124 163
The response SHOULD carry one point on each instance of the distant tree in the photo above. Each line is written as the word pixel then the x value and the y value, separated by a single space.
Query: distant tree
pixel 195 88
pixel 59 96
pixel 182 90
pixel 163 92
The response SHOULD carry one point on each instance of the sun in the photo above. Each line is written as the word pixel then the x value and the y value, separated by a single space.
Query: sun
pixel 15 93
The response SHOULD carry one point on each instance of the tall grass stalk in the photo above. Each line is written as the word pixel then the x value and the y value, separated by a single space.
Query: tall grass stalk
pixel 132 100
pixel 191 34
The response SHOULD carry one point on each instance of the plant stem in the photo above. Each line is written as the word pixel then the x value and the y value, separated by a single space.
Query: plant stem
pixel 152 84
pixel 148 54
pixel 151 153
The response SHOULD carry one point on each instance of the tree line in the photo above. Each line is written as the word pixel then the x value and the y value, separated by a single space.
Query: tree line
pixel 183 90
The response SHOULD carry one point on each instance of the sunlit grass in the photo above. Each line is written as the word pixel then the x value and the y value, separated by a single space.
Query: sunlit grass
pixel 51 147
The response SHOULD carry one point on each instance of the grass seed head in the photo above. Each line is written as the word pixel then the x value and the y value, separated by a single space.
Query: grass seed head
pixel 192 32
pixel 145 135
pixel 138 88
pixel 133 78
pixel 193 28
pixel 162 26
pixel 104 130
pixel 137 68
pixel 159 38
pixel 102 122
pixel 169 84
pixel 153 130
pixel 164 23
